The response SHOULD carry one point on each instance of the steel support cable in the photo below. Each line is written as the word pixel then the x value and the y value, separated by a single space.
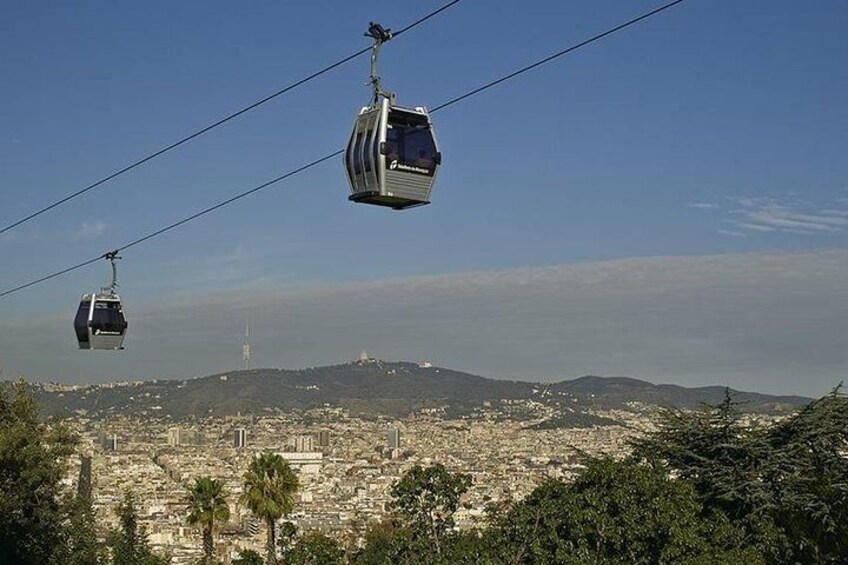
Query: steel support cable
pixel 340 151
pixel 218 123
pixel 178 223
pixel 557 55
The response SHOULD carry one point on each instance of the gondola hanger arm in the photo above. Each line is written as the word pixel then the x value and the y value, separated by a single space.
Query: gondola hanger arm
pixel 113 257
pixel 380 35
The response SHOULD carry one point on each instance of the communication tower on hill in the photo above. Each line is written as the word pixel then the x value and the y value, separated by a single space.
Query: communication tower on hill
pixel 245 349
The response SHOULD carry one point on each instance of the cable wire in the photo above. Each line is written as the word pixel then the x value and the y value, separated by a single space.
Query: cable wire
pixel 230 200
pixel 53 276
pixel 220 122
pixel 556 55
pixel 340 151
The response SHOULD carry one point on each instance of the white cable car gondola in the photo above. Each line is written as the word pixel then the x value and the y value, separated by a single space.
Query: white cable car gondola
pixel 392 156
pixel 100 322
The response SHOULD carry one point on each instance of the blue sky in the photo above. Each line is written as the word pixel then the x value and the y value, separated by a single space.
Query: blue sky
pixel 715 130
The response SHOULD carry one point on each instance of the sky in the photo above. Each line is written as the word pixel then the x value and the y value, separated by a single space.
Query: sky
pixel 670 203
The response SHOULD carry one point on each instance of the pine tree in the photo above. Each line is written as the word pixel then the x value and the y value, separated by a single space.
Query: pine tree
pixel 32 454
pixel 129 541
pixel 83 547
pixel 785 484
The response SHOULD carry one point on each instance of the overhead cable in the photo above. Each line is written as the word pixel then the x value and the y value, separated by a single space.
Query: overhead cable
pixel 556 55
pixel 218 123
pixel 339 152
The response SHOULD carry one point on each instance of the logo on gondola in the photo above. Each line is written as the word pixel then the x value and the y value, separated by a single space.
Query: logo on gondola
pixel 395 166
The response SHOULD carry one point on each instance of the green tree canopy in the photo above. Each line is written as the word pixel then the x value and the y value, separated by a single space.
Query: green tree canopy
pixel 420 529
pixel 269 487
pixel 32 514
pixel 785 484
pixel 128 542
pixel 248 557
pixel 315 548
pixel 616 512
pixel 426 498
pixel 207 504
pixel 83 547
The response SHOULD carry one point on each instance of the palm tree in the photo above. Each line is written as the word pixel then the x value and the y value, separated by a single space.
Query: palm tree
pixel 268 488
pixel 207 502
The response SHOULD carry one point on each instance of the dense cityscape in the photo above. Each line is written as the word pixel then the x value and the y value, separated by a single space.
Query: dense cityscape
pixel 510 480
pixel 345 466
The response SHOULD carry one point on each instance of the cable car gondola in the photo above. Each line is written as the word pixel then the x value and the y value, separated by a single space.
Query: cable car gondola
pixel 392 156
pixel 100 322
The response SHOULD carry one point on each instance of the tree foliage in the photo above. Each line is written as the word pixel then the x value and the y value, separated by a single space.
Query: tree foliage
pixel 269 487
pixel 425 500
pixel 315 548
pixel 207 505
pixel 421 528
pixel 83 547
pixel 248 557
pixel 32 513
pixel 786 485
pixel 616 512
pixel 129 542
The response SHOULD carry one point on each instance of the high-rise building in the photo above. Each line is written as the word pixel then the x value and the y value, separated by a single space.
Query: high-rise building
pixel 239 438
pixel 393 438
pixel 84 483
pixel 174 436
pixel 303 444
pixel 324 438
pixel 108 442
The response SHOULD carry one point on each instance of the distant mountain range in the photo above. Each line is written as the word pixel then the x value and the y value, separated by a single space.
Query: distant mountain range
pixel 373 387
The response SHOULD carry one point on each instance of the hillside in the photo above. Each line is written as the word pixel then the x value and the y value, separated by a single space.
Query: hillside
pixel 375 388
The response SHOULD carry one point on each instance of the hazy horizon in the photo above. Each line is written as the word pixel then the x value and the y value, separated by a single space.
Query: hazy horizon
pixel 764 322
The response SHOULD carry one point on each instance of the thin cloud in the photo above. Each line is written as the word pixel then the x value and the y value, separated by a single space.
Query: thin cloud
pixel 732 233
pixel 781 218
pixel 755 227
pixel 92 229
pixel 831 212
pixel 791 216
pixel 801 232
pixel 702 205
